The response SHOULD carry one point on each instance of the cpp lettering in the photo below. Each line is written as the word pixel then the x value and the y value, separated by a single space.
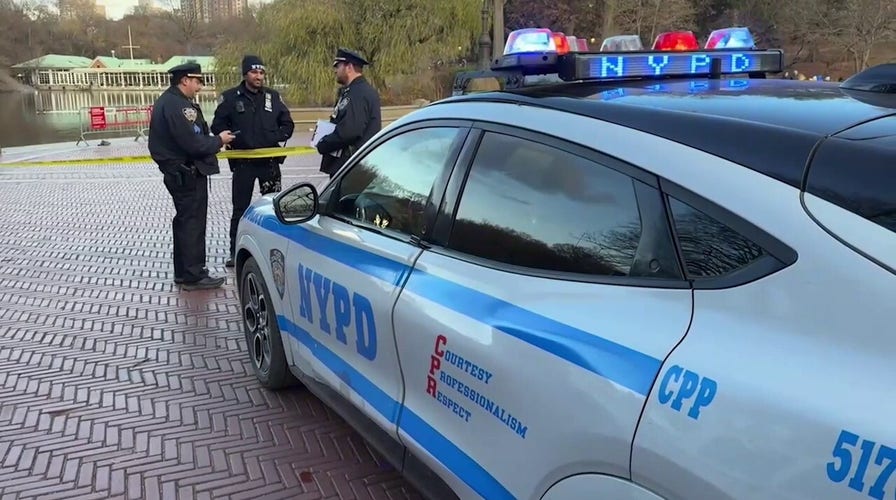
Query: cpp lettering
pixel 339 315
pixel 680 385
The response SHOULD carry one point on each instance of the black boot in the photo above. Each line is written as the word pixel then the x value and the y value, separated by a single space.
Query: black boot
pixel 205 283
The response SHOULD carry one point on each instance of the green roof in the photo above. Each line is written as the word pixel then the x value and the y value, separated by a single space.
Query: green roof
pixel 114 62
pixel 55 61
pixel 207 62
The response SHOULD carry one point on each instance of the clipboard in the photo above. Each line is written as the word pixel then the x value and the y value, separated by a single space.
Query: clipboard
pixel 322 129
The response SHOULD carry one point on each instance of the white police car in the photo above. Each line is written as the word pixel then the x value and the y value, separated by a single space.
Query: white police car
pixel 652 274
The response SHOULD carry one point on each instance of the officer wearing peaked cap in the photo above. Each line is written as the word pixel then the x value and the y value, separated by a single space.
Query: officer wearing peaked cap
pixel 184 150
pixel 357 114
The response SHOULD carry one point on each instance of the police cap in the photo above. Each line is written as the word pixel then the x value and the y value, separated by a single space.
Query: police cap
pixel 345 55
pixel 191 69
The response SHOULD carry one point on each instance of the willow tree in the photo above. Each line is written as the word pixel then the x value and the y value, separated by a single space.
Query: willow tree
pixel 402 38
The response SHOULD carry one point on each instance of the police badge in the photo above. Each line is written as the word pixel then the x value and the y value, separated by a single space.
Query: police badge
pixel 190 114
pixel 278 264
pixel 267 102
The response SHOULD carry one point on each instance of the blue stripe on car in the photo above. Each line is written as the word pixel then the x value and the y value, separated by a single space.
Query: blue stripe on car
pixel 615 362
pixel 430 439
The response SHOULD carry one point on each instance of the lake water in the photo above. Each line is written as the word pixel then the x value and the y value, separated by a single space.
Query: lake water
pixel 41 117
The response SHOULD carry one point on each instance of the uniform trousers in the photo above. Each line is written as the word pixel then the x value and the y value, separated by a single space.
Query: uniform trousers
pixel 245 173
pixel 190 195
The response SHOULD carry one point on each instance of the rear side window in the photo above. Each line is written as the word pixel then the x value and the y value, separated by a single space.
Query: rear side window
pixel 535 206
pixel 710 248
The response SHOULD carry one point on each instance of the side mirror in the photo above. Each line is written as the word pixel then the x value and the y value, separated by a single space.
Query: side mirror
pixel 297 204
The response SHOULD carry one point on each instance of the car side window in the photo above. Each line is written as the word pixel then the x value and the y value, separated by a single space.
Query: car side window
pixel 710 248
pixel 390 186
pixel 532 205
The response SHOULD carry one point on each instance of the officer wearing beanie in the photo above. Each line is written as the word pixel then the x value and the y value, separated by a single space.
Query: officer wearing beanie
pixel 180 144
pixel 260 119
pixel 357 113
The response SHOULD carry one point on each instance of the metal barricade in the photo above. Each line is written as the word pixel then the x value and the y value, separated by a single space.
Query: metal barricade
pixel 117 121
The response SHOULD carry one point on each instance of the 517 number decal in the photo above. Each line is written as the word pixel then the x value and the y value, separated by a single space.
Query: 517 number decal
pixel 847 449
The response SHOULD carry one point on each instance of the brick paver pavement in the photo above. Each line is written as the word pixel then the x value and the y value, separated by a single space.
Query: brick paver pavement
pixel 116 384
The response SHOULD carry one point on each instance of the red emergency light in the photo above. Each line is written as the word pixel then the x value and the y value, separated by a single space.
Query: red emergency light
pixel 561 42
pixel 676 41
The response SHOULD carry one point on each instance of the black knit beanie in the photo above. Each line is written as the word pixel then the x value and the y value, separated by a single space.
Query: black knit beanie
pixel 252 62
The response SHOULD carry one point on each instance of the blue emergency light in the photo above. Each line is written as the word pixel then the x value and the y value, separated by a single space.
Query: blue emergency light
pixel 538 51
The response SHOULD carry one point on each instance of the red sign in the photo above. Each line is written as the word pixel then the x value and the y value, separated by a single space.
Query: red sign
pixel 97 118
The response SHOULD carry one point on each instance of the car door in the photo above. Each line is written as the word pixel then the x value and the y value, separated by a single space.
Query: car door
pixel 531 331
pixel 348 264
pixel 783 387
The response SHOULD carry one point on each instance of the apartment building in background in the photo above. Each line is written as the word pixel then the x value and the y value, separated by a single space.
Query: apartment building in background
pixel 69 9
pixel 148 6
pixel 212 10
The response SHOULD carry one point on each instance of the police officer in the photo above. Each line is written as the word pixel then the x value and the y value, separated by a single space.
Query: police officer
pixel 356 115
pixel 263 121
pixel 180 144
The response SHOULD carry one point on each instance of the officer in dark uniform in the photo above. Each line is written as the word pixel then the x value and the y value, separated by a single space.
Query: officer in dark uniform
pixel 263 121
pixel 179 142
pixel 357 113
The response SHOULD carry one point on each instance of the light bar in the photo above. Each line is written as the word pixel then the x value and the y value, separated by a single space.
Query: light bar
pixel 633 64
pixel 731 38
pixel 621 43
pixel 620 65
pixel 541 51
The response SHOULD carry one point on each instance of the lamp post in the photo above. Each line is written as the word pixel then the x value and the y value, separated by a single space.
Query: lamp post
pixel 485 42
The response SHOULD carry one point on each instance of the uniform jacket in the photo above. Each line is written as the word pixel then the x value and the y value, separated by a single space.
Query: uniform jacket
pixel 262 118
pixel 357 117
pixel 179 135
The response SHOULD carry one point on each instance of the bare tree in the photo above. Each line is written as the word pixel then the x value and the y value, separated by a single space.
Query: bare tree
pixel 498 26
pixel 648 18
pixel 860 25
pixel 187 21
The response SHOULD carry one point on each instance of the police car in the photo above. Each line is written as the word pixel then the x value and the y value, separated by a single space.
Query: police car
pixel 629 273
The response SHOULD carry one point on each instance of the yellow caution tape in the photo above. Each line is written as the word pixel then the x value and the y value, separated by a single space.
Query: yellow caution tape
pixel 228 154
pixel 265 152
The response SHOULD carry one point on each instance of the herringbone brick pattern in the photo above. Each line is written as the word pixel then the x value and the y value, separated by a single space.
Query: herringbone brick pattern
pixel 116 384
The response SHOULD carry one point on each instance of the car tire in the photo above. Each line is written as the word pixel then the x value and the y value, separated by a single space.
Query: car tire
pixel 263 340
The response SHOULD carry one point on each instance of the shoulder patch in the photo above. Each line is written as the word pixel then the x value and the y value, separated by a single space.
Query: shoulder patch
pixel 190 114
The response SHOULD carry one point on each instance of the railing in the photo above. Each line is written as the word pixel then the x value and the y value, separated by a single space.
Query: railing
pixel 100 120
pixel 121 120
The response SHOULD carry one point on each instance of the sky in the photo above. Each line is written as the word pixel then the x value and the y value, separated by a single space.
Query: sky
pixel 116 9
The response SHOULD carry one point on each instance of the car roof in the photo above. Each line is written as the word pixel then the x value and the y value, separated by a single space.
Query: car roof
pixel 768 125
pixel 817 107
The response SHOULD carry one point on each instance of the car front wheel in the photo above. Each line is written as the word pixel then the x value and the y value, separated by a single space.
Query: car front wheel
pixel 263 339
